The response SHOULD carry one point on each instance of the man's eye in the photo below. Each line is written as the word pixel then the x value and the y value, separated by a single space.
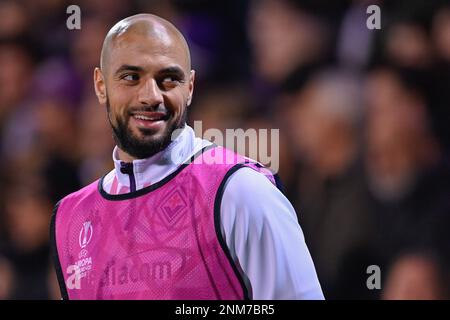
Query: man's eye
pixel 170 80
pixel 131 77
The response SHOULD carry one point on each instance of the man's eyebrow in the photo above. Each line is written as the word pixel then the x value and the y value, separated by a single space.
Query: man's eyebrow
pixel 173 70
pixel 127 67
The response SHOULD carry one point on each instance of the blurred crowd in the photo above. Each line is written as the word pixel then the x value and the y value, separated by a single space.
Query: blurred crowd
pixel 363 117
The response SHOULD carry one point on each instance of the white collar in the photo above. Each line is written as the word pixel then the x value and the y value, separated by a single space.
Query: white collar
pixel 157 167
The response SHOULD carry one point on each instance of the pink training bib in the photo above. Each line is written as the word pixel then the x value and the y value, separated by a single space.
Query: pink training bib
pixel 160 242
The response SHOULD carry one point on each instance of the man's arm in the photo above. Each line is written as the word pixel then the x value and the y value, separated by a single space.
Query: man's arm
pixel 260 228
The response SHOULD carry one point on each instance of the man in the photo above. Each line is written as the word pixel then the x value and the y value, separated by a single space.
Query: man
pixel 166 223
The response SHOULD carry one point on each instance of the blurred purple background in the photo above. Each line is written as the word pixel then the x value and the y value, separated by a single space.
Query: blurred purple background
pixel 363 118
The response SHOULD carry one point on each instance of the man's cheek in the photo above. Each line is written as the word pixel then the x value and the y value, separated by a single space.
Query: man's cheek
pixel 116 118
pixel 120 112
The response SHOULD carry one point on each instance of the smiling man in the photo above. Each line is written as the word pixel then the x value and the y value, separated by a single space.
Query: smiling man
pixel 163 224
pixel 150 83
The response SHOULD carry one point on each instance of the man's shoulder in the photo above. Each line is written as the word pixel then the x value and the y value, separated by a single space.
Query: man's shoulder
pixel 247 181
pixel 251 200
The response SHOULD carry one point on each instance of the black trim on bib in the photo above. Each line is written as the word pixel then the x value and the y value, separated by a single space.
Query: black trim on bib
pixel 141 192
pixel 217 223
pixel 55 256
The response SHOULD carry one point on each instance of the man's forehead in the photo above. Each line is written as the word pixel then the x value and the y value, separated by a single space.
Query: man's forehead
pixel 145 52
pixel 145 37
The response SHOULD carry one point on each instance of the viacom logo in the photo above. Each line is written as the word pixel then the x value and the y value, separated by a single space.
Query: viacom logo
pixel 85 234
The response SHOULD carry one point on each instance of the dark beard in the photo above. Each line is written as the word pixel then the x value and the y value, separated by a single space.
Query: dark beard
pixel 141 148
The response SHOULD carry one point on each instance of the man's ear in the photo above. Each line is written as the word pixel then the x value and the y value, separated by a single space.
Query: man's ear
pixel 191 86
pixel 99 85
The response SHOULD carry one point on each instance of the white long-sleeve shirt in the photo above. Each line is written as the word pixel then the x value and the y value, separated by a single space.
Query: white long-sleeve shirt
pixel 262 232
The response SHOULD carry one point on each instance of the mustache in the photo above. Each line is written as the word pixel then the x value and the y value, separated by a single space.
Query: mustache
pixel 148 108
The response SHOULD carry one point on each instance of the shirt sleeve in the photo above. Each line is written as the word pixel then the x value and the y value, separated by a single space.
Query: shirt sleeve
pixel 260 228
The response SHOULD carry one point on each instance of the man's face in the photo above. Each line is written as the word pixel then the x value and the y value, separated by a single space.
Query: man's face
pixel 148 85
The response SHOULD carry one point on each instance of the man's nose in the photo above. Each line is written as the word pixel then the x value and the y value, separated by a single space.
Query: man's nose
pixel 150 93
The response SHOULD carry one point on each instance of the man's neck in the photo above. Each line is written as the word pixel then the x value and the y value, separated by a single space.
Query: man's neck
pixel 151 170
pixel 124 156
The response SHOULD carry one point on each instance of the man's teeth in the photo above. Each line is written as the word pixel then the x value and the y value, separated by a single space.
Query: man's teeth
pixel 141 117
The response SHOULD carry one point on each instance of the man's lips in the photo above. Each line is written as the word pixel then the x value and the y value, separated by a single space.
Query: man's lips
pixel 149 120
pixel 149 115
